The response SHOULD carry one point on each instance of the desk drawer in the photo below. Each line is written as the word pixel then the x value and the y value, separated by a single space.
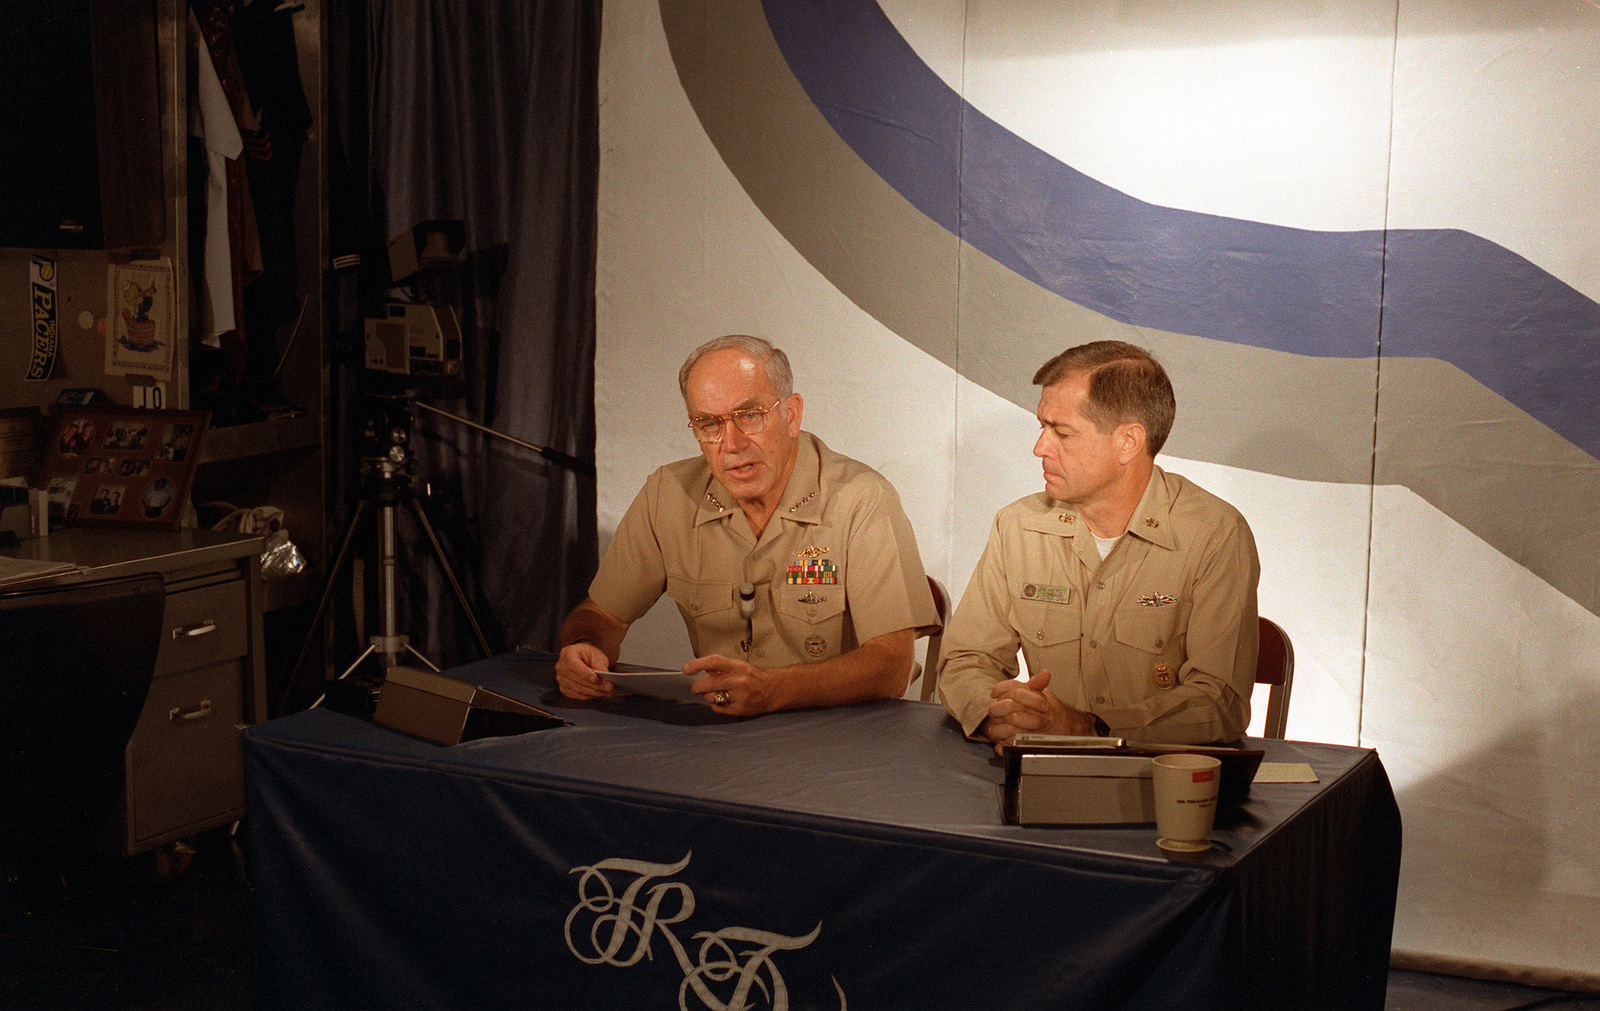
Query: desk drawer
pixel 185 769
pixel 203 626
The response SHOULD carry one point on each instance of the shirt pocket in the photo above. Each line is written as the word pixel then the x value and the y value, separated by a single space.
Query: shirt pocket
pixel 810 608
pixel 1154 630
pixel 1045 624
pixel 701 600
pixel 811 626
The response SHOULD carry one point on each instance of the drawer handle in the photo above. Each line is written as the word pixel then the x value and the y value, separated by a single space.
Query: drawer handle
pixel 204 628
pixel 198 712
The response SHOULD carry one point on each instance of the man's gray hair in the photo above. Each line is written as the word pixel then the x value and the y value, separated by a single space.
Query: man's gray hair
pixel 771 359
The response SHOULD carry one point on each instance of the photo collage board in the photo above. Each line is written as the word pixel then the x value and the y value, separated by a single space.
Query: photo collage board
pixel 129 468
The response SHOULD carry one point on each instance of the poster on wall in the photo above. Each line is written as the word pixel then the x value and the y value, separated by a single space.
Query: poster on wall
pixel 42 294
pixel 128 468
pixel 140 327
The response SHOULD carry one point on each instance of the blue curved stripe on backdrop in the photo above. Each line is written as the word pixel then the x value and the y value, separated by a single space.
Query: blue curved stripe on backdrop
pixel 1446 294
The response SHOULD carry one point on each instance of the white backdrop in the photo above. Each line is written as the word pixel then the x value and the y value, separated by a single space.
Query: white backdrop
pixel 1473 677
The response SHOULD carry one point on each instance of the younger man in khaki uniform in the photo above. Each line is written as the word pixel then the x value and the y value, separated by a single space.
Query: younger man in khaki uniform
pixel 1131 592
pixel 835 590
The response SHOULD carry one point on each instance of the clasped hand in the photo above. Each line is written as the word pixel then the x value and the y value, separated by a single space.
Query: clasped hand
pixel 1027 707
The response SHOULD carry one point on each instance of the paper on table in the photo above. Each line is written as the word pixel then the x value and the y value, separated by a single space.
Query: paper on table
pixel 15 570
pixel 1285 772
pixel 661 684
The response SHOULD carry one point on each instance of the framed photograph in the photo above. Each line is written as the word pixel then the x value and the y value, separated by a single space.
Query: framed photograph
pixel 139 327
pixel 121 466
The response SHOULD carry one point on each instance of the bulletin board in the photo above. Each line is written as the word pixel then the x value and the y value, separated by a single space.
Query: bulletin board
pixel 127 468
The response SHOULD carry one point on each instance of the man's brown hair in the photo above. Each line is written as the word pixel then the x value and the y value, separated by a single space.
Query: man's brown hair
pixel 1126 383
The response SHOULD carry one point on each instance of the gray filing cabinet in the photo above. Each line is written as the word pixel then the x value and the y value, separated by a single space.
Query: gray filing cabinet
pixel 185 771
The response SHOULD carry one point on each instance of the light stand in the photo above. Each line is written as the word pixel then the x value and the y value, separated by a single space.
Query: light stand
pixel 389 480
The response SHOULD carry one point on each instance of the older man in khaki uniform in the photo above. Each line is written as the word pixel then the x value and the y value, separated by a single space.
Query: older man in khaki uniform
pixel 795 568
pixel 1130 592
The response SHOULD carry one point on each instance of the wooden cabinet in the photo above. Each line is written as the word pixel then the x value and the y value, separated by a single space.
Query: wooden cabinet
pixel 81 133
pixel 184 771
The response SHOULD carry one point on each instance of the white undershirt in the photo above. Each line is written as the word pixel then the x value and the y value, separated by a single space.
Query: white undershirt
pixel 1105 544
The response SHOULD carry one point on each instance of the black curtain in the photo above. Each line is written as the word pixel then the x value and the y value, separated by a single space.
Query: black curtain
pixel 487 114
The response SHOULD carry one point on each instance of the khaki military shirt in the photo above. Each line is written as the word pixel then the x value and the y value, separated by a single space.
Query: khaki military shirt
pixel 1159 640
pixel 837 564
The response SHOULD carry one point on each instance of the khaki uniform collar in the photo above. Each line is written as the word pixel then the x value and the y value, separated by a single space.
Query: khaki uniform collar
pixel 801 501
pixel 1052 517
pixel 715 503
pixel 802 497
pixel 1151 520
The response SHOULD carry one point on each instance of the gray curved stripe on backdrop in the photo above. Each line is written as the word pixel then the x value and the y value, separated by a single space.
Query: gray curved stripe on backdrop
pixel 1446 293
pixel 1457 445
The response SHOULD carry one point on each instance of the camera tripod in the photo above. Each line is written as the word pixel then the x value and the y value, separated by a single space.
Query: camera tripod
pixel 388 484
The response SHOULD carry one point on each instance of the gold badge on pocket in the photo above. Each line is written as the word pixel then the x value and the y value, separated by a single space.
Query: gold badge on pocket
pixel 1164 678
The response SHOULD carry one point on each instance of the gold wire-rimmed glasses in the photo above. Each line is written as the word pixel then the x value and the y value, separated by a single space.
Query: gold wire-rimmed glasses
pixel 708 428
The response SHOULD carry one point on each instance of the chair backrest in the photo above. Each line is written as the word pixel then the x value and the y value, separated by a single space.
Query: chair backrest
pixel 75 670
pixel 930 663
pixel 1275 667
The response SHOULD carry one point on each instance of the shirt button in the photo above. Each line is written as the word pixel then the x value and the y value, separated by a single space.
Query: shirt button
pixel 1158 643
pixel 1099 586
pixel 1094 644
pixel 811 612
pixel 1039 635
pixel 1100 698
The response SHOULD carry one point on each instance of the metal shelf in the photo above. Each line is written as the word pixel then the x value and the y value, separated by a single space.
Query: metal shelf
pixel 259 438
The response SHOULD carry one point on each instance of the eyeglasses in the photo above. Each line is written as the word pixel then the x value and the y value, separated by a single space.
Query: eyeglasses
pixel 749 421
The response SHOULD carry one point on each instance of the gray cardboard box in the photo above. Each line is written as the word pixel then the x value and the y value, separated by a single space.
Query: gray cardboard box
pixel 1084 790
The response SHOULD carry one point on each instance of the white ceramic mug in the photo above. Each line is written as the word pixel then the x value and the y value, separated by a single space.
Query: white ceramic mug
pixel 1185 788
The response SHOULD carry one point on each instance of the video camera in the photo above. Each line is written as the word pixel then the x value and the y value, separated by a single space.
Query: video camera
pixel 420 338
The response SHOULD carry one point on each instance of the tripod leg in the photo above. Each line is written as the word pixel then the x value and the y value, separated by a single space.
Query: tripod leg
pixel 414 652
pixel 322 604
pixel 347 672
pixel 371 649
pixel 444 566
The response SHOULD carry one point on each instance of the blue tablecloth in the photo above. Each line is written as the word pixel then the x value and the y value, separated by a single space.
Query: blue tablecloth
pixel 657 854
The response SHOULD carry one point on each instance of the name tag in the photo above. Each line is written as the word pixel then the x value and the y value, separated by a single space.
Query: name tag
pixel 1049 594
